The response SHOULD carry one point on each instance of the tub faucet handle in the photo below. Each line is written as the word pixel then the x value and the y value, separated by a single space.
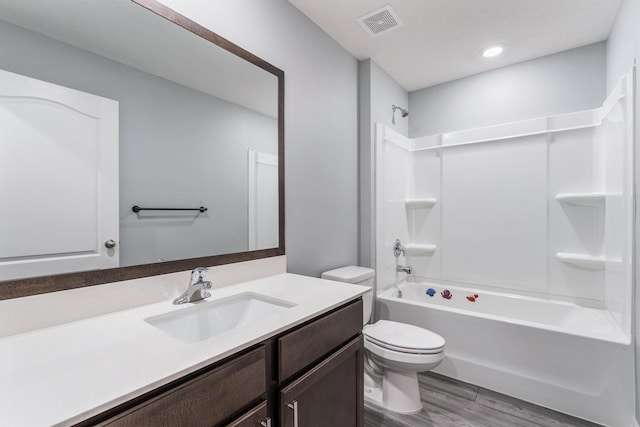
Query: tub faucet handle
pixel 398 248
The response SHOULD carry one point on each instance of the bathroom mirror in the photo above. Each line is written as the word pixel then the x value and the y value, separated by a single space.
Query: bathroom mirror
pixel 201 126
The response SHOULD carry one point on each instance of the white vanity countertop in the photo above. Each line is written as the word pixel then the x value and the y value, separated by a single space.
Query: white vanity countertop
pixel 67 373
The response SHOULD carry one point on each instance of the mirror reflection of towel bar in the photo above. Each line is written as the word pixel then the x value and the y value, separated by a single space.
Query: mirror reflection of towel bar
pixel 137 209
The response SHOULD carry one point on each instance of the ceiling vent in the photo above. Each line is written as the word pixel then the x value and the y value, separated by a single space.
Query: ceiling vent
pixel 380 21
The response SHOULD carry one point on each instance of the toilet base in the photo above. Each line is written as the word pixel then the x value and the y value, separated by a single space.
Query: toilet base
pixel 398 392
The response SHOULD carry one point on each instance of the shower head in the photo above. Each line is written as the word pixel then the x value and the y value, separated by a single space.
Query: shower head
pixel 404 113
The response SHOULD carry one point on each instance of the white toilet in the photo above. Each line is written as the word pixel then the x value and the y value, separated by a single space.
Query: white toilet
pixel 395 352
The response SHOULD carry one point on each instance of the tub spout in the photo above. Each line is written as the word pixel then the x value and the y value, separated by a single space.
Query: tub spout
pixel 403 269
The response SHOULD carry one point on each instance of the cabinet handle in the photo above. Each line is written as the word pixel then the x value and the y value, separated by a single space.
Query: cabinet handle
pixel 266 423
pixel 294 405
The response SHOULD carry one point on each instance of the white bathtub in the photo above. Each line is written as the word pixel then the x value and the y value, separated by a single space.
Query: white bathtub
pixel 553 353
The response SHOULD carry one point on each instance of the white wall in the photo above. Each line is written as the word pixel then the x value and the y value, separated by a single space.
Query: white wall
pixel 320 123
pixel 378 92
pixel 568 81
pixel 623 47
pixel 495 222
pixel 394 184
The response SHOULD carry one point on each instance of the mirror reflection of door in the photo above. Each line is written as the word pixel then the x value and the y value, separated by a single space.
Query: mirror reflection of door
pixel 263 200
pixel 58 179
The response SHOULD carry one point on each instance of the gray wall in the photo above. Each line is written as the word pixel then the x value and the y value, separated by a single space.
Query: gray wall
pixel 320 120
pixel 159 165
pixel 568 81
pixel 622 48
pixel 377 93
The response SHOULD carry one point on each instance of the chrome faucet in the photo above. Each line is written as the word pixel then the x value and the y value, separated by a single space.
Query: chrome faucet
pixel 397 250
pixel 402 268
pixel 198 288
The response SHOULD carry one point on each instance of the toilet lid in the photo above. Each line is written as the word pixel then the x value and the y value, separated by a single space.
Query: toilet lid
pixel 403 337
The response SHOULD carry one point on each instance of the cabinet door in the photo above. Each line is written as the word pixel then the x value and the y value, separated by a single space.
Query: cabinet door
pixel 330 394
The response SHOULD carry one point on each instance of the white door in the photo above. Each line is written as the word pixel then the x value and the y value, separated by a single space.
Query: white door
pixel 263 200
pixel 58 179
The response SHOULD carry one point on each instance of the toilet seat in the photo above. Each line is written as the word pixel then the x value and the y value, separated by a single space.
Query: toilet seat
pixel 403 338
pixel 404 350
pixel 402 361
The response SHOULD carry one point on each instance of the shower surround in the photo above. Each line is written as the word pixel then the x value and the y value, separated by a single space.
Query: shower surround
pixel 536 209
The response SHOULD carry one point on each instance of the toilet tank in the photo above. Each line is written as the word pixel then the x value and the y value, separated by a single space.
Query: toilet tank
pixel 359 276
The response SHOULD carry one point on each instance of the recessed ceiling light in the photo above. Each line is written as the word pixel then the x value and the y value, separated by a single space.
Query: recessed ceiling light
pixel 492 51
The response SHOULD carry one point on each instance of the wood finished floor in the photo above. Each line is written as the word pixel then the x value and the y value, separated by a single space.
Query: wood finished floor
pixel 451 403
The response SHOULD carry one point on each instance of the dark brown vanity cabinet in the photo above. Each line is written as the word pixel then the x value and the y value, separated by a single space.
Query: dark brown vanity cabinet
pixel 208 399
pixel 308 376
pixel 321 371
pixel 330 394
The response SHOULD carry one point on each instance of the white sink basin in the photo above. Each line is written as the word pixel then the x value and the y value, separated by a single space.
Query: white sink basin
pixel 207 319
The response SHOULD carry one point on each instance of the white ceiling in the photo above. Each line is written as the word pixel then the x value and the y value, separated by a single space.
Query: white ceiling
pixel 441 39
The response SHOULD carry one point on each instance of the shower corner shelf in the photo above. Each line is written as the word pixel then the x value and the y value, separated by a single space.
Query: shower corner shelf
pixel 589 262
pixel 420 203
pixel 414 249
pixel 582 199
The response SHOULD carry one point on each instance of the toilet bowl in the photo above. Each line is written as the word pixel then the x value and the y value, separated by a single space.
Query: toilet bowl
pixel 395 352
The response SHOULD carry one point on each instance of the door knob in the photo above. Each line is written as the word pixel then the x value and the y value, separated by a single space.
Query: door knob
pixel 109 244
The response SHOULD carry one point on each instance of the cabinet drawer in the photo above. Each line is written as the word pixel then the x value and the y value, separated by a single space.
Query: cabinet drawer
pixel 206 400
pixel 308 344
pixel 252 418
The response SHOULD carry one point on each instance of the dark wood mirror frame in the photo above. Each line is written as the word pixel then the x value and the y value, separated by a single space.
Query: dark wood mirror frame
pixel 45 284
